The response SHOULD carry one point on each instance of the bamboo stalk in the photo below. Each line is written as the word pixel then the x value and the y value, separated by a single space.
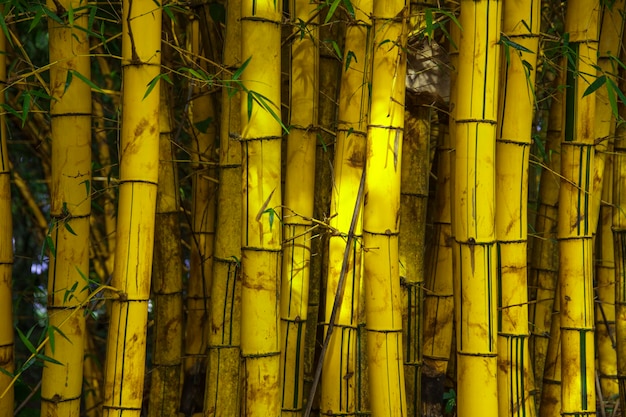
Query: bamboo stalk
pixel 70 189
pixel 139 162
pixel 262 198
pixel 6 254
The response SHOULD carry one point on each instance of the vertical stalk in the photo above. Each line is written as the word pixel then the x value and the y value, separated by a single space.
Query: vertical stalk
pixel 298 211
pixel 261 228
pixel 167 284
pixel 340 381
pixel 474 208
pixel 222 397
pixel 139 163
pixel 574 227
pixel 70 188
pixel 381 211
pixel 515 378
pixel 6 253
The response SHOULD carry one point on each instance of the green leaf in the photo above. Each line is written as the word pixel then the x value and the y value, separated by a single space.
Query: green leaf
pixel 68 81
pixel 52 15
pixel 87 81
pixel 26 342
pixel 599 82
pixel 243 66
pixel 331 10
pixel 203 125
pixel 49 243
pixel 69 228
pixel 153 83
pixel 349 57
pixel 46 358
pixel 349 7
pixel 336 49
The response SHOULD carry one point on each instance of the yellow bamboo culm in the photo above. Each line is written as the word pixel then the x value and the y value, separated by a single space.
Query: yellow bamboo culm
pixel 619 241
pixel 70 188
pixel 339 386
pixel 298 211
pixel 139 163
pixel 381 211
pixel 6 254
pixel 474 208
pixel 167 283
pixel 222 396
pixel 574 227
pixel 517 99
pixel 261 221
pixel 611 33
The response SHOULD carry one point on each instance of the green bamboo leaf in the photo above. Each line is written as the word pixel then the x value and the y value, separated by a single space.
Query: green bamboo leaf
pixel 599 82
pixel 86 81
pixel 154 82
pixel 26 342
pixel 331 10
pixel 69 228
pixel 349 56
pixel 428 18
pixel 243 66
pixel 46 358
pixel 349 7
pixel 336 49
pixel 50 332
pixel 52 15
pixel 5 29
pixel 68 80
pixel 70 15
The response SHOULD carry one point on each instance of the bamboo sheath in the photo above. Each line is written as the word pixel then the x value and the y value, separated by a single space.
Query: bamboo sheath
pixel 515 378
pixel 340 378
pixel 299 206
pixel 6 255
pixel 222 397
pixel 139 160
pixel 476 256
pixel 167 283
pixel 381 211
pixel 261 228
pixel 574 227
pixel 70 188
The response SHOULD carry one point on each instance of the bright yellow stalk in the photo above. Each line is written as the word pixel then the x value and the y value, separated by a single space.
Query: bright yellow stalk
pixel 298 211
pixel 139 162
pixel 261 227
pixel 474 208
pixel 222 397
pixel 574 226
pixel 6 253
pixel 612 28
pixel 167 283
pixel 381 211
pixel 70 188
pixel 340 374
pixel 515 379
pixel 415 169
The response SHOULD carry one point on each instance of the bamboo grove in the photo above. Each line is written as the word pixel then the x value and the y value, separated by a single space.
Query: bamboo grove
pixel 312 208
